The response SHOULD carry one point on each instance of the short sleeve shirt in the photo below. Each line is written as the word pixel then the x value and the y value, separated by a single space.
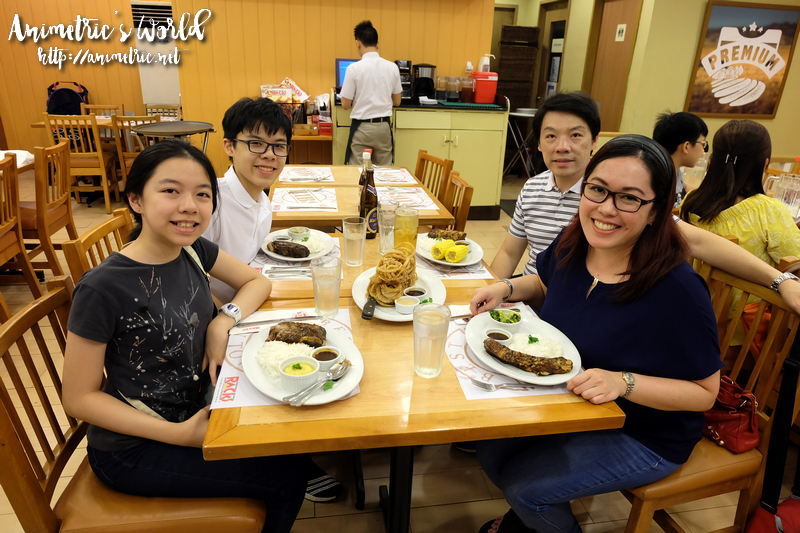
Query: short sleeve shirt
pixel 542 211
pixel 370 84
pixel 153 320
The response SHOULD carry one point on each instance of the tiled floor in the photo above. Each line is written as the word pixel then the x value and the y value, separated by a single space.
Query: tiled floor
pixel 451 492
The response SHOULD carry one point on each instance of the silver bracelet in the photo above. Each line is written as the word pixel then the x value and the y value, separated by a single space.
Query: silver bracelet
pixel 510 288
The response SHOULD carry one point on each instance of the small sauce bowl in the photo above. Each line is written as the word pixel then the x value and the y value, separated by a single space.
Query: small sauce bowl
pixel 294 383
pixel 500 335
pixel 416 292
pixel 405 304
pixel 510 327
pixel 325 364
pixel 298 233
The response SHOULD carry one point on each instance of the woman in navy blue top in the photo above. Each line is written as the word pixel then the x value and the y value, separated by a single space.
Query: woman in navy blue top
pixel 617 283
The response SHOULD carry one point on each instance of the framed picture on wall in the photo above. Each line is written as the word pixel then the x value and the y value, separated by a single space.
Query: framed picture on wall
pixel 742 59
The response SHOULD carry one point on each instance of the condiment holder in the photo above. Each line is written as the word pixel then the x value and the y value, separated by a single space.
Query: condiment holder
pixel 416 292
pixel 298 233
pixel 293 383
pixel 511 327
pixel 497 334
pixel 405 304
pixel 325 365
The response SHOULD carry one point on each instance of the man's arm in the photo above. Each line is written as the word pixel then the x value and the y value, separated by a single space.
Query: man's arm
pixel 396 99
pixel 346 103
pixel 508 256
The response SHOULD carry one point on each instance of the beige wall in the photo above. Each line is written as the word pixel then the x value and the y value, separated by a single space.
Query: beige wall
pixel 527 10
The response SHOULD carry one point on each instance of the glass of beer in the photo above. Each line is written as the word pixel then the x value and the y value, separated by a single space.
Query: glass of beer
pixel 406 224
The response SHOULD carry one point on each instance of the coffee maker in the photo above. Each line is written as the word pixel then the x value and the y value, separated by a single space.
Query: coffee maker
pixel 406 81
pixel 424 80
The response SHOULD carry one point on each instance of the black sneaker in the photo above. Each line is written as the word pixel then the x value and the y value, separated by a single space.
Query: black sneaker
pixel 323 489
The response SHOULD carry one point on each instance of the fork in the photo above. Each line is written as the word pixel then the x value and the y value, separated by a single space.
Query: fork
pixel 491 387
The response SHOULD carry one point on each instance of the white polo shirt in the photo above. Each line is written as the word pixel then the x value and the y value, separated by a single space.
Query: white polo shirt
pixel 370 84
pixel 542 211
pixel 238 226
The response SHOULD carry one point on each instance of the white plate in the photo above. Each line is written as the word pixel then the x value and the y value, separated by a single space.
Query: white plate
pixel 327 245
pixel 474 256
pixel 262 380
pixel 425 279
pixel 475 334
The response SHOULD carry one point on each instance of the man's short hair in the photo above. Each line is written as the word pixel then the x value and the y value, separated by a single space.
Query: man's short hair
pixel 577 103
pixel 252 114
pixel 674 129
pixel 366 34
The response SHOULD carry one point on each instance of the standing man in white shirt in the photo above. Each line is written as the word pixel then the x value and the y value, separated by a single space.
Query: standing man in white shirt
pixel 371 87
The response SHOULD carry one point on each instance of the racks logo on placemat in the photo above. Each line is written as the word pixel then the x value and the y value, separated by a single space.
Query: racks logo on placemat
pixel 228 389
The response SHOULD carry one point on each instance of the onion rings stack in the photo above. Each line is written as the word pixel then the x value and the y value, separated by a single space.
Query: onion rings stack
pixel 396 271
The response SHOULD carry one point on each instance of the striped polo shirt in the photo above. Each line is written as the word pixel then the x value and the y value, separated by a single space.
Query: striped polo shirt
pixel 542 211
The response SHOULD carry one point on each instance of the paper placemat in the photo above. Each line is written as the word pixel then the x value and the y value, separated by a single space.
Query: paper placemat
pixel 393 175
pixel 467 366
pixel 233 388
pixel 407 197
pixel 476 271
pixel 264 263
pixel 291 199
pixel 306 174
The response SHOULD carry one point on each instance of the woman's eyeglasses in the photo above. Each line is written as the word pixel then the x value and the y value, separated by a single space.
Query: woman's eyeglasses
pixel 261 147
pixel 622 200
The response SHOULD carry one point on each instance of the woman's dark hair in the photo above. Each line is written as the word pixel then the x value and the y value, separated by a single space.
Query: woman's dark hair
pixel 660 247
pixel 145 164
pixel 740 150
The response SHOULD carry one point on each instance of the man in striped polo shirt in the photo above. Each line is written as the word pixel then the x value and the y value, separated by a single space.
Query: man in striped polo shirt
pixel 566 126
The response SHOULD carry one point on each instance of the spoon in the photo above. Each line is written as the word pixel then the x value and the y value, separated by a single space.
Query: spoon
pixel 463 321
pixel 335 373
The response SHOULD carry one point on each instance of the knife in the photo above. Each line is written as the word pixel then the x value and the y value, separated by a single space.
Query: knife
pixel 262 322
pixel 369 309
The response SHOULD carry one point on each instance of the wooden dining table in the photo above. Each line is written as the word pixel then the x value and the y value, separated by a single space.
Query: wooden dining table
pixel 395 408
pixel 347 199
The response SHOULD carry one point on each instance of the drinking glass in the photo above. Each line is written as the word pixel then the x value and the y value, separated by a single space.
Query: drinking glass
pixel 387 211
pixel 326 277
pixel 431 322
pixel 406 224
pixel 355 235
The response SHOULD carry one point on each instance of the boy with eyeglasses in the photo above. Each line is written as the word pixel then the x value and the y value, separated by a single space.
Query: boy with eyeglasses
pixel 256 134
pixel 683 135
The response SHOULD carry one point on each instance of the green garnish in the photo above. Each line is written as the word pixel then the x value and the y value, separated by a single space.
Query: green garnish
pixel 297 366
pixel 328 385
pixel 532 339
pixel 438 239
pixel 305 239
pixel 426 301
pixel 505 317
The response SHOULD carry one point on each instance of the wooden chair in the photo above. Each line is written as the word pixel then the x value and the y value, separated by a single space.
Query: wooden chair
pixel 86 160
pixel 711 469
pixel 12 244
pixel 433 172
pixel 164 110
pixel 91 248
pixel 129 144
pixel 32 460
pixel 458 198
pixel 52 209
pixel 104 110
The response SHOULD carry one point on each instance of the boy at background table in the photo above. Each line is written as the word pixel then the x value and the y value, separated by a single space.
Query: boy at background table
pixel 256 136
pixel 683 135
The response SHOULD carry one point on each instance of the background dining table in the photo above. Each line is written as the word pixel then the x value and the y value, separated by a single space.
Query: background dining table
pixel 395 408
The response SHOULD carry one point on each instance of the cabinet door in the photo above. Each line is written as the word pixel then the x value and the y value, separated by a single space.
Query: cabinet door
pixel 478 157
pixel 408 143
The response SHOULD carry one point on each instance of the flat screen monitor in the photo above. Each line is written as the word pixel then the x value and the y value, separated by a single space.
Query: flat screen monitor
pixel 341 67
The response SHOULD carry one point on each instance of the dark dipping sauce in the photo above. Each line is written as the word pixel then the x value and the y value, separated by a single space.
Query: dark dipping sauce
pixel 325 356
pixel 415 293
pixel 498 336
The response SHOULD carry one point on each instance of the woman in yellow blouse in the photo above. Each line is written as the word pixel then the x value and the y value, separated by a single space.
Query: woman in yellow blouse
pixel 731 199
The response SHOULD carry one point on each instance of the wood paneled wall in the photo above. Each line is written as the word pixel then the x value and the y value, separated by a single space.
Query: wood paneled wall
pixel 249 43
pixel 25 79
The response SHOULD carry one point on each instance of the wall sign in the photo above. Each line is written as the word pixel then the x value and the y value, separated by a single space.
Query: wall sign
pixel 742 59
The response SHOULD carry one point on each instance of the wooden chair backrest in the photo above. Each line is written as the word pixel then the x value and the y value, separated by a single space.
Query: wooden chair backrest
pixel 164 110
pixel 763 378
pixel 52 178
pixel 128 143
pixel 37 437
pixel 102 109
pixel 80 131
pixel 91 248
pixel 9 194
pixel 458 199
pixel 433 173
pixel 769 172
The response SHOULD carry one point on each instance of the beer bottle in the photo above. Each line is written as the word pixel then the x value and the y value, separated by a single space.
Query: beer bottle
pixel 368 206
pixel 367 154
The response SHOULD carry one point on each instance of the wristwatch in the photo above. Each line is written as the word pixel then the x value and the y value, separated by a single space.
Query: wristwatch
pixel 780 279
pixel 630 381
pixel 510 288
pixel 232 310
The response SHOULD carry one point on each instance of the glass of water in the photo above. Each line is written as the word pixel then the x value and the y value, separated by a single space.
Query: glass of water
pixel 355 235
pixel 386 217
pixel 326 277
pixel 431 322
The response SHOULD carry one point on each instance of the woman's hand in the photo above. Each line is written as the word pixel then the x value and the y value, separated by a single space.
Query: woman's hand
pixel 598 386
pixel 216 344
pixel 194 429
pixel 488 297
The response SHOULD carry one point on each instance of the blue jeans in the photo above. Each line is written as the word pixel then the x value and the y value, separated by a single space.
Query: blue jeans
pixel 159 469
pixel 540 475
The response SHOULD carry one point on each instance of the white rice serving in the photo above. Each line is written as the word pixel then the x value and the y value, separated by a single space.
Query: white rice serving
pixel 545 347
pixel 313 244
pixel 273 353
pixel 425 243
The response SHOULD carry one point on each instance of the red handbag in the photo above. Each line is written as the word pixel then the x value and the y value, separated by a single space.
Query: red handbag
pixel 732 422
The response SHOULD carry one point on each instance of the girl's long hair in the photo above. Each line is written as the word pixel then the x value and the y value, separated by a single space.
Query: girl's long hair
pixel 740 150
pixel 145 164
pixel 660 247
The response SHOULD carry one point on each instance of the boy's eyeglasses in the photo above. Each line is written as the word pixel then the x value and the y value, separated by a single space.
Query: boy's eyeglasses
pixel 705 145
pixel 622 200
pixel 261 147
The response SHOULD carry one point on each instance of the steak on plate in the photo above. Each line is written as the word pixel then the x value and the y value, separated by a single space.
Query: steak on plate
pixel 541 366
pixel 294 332
pixel 288 249
pixel 447 234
